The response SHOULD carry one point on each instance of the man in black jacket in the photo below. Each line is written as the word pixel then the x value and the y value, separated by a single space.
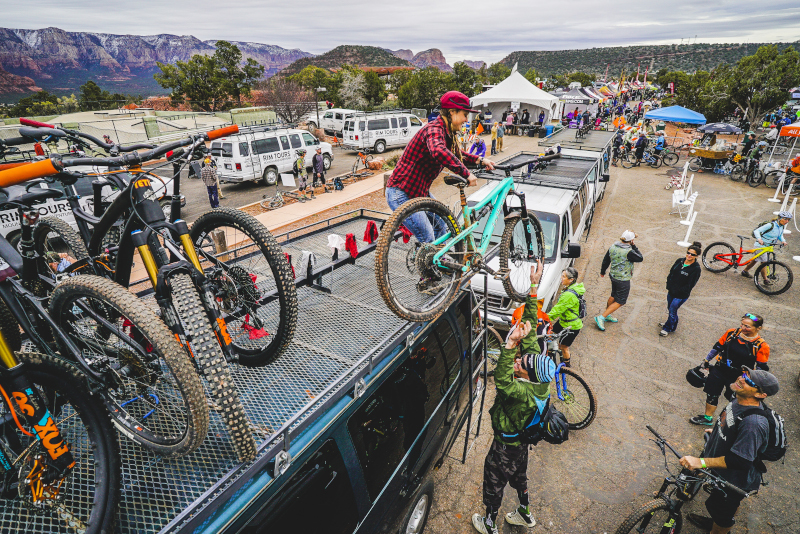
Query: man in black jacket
pixel 318 163
pixel 748 145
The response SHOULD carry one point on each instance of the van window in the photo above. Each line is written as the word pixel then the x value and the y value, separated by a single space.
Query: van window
pixel 222 150
pixel 328 115
pixel 403 122
pixel 338 116
pixel 387 423
pixel 394 122
pixel 244 150
pixel 309 139
pixel 322 483
pixel 361 125
pixel 378 124
pixel 265 146
pixel 415 121
pixel 564 232
pixel 575 213
pixel 285 142
pixel 295 139
pixel 348 126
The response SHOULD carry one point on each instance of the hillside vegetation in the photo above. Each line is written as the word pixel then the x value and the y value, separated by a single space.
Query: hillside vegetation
pixel 356 55
pixel 687 58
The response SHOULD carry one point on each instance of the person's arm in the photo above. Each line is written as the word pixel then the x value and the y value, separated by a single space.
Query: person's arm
pixel 437 147
pixel 606 263
pixel 566 302
pixel 532 302
pixel 504 372
pixel 694 276
pixel 634 256
pixel 762 356
pixel 758 231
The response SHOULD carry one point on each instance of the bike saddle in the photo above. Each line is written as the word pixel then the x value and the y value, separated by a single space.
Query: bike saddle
pixel 31 197
pixel 10 255
pixel 742 237
pixel 40 133
pixel 453 179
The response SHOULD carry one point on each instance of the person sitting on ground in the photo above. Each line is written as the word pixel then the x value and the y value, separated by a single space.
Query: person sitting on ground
pixel 732 451
pixel 767 235
pixel 737 347
pixel 565 315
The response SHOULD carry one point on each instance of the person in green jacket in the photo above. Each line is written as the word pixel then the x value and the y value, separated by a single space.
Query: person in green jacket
pixel 531 311
pixel 523 390
pixel 564 314
pixel 300 170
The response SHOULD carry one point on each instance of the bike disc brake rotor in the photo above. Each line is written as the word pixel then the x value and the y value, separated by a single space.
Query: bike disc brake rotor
pixel 40 487
pixel 235 289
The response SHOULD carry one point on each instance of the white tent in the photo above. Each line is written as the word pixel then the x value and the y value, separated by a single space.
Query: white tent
pixel 515 89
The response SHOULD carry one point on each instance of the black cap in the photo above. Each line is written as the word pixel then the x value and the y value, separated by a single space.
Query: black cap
pixel 765 381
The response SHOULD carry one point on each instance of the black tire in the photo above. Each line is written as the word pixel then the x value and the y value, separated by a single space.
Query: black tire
pixel 738 173
pixel 773 178
pixel 671 159
pixel 152 392
pixel 392 276
pixel 493 349
pixel 710 260
pixel 380 147
pixel 629 160
pixel 650 518
pixel 356 164
pixel 261 256
pixel 695 164
pixel 778 274
pixel 55 241
pixel 579 405
pixel 513 255
pixel 91 495
pixel 212 365
pixel 756 178
pixel 270 176
pixel 416 518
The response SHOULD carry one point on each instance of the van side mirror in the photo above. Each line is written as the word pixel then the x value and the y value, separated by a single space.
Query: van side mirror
pixel 604 177
pixel 573 250
pixel 316 141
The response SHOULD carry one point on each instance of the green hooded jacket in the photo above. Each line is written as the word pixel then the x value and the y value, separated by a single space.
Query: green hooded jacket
pixel 531 344
pixel 517 399
pixel 566 309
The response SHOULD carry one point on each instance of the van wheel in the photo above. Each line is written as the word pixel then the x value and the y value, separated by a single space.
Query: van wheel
pixel 312 127
pixel 380 147
pixel 326 162
pixel 270 176
pixel 417 516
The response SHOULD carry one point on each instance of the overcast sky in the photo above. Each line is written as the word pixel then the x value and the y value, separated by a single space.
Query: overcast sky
pixel 462 29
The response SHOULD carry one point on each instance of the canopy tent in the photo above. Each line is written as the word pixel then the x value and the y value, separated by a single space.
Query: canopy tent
pixel 588 91
pixel 580 100
pixel 516 89
pixel 676 114
pixel 791 130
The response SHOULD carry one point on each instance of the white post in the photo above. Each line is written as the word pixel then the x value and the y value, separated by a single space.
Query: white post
pixel 688 220
pixel 784 203
pixel 792 210
pixel 686 242
pixel 778 189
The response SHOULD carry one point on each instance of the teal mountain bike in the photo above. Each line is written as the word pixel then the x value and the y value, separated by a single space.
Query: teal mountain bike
pixel 422 252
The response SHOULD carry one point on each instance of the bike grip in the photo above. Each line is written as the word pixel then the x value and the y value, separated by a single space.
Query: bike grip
pixel 14 141
pixel 23 173
pixel 5 166
pixel 29 122
pixel 728 485
pixel 222 132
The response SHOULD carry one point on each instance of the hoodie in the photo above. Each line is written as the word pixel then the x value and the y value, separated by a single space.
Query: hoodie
pixel 566 309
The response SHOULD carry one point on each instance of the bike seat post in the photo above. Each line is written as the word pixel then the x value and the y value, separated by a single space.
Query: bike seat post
pixel 463 196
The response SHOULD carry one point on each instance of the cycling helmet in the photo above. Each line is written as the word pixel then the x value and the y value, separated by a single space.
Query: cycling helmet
pixel 762 143
pixel 540 367
pixel 300 151
pixel 785 215
pixel 695 377
pixel 555 428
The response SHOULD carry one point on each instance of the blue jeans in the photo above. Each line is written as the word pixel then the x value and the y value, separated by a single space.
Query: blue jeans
pixel 673 304
pixel 425 226
pixel 212 196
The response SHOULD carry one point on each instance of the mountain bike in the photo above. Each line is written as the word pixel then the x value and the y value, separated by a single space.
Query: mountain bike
pixel 279 199
pixel 663 514
pixel 620 154
pixel 419 276
pixel 749 172
pixel 670 156
pixel 772 277
pixel 362 161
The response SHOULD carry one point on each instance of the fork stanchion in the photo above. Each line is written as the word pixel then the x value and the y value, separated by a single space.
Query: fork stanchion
pixel 774 197
pixel 686 242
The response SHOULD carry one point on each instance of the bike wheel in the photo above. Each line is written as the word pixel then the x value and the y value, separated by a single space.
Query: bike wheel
pixel 671 159
pixel 59 247
pixel 695 164
pixel 738 173
pixel 773 277
pixel 715 257
pixel 577 402
pixel 493 349
pixel 756 178
pixel 245 263
pixel 655 162
pixel 514 255
pixel 212 365
pixel 628 160
pixel 356 163
pixel 653 517
pixel 88 498
pixel 412 287
pixel 146 378
pixel 366 161
pixel 773 178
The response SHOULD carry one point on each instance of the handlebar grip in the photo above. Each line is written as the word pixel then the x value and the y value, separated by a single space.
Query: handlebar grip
pixel 14 141
pixel 222 132
pixel 728 485
pixel 29 122
pixel 23 173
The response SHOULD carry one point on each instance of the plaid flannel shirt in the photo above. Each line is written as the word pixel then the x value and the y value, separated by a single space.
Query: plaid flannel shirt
pixel 424 158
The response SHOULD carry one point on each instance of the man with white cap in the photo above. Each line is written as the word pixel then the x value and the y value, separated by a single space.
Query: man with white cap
pixel 618 261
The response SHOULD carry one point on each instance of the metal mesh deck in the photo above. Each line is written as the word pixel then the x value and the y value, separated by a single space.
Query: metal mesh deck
pixel 567 172
pixel 595 140
pixel 331 337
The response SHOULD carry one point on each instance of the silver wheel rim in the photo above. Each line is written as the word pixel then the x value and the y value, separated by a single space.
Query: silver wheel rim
pixel 418 516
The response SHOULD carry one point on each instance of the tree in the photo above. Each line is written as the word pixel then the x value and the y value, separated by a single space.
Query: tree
pixel 582 77
pixel 531 75
pixel 289 100
pixel 425 88
pixel 68 104
pixel 352 89
pixel 467 80
pixel 237 79
pixel 91 96
pixel 39 103
pixel 399 78
pixel 374 89
pixel 757 83
pixel 311 77
pixel 498 72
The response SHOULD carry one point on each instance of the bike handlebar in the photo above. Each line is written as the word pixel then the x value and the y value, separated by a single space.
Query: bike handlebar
pixel 14 141
pixel 29 171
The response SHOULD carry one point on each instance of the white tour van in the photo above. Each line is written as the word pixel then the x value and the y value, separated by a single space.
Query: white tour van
pixel 378 130
pixel 596 144
pixel 332 121
pixel 263 152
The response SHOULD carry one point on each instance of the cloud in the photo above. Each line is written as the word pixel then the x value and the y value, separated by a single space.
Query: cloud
pixel 462 29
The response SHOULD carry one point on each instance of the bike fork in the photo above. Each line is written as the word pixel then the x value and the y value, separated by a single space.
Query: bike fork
pixel 529 243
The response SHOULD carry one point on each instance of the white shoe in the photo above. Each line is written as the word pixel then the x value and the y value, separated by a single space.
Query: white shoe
pixel 480 526
pixel 516 518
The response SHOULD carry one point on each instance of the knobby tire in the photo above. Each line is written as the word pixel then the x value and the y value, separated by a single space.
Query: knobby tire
pixel 718 266
pixel 775 268
pixel 647 513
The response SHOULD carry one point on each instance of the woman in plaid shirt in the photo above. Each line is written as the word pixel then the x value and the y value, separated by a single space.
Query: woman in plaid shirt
pixel 433 148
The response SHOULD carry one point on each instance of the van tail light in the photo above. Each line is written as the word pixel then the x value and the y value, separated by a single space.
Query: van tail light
pixel 356 137
pixel 238 166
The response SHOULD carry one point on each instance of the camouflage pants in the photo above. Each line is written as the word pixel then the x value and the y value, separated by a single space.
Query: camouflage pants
pixel 505 464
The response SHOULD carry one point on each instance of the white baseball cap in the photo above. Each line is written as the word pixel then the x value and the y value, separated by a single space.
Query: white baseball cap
pixel 627 236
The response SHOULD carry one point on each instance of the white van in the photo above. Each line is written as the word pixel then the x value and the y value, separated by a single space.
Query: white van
pixel 332 121
pixel 262 153
pixel 376 131
pixel 595 144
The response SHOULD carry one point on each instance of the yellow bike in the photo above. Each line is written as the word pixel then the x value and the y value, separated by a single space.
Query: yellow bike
pixel 772 277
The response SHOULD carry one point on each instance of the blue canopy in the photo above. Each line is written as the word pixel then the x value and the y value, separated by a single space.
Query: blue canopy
pixel 676 114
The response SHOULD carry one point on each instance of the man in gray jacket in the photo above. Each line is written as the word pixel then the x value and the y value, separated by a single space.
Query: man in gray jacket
pixel 618 261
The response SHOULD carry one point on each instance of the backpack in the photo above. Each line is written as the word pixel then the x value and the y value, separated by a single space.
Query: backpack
pixel 776 438
pixel 756 345
pixel 337 184
pixel 295 167
pixel 551 426
pixel 772 223
pixel 581 304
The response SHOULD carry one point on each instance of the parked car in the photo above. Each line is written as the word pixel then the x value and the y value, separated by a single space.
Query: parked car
pixel 379 130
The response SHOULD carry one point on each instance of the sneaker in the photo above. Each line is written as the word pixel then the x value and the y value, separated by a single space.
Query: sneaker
pixel 661 324
pixel 663 333
pixel 600 322
pixel 480 524
pixel 519 517
pixel 746 274
pixel 702 420
pixel 701 521
pixel 610 319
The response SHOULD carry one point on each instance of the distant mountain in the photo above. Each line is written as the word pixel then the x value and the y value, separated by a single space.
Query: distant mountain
pixel 477 65
pixel 12 84
pixel 689 58
pixel 431 58
pixel 356 55
pixel 404 53
pixel 61 61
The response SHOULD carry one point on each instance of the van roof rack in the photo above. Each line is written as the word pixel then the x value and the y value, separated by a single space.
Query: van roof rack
pixel 265 128
pixel 566 172
pixel 382 112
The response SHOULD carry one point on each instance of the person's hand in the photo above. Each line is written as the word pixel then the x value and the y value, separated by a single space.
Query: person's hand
pixel 536 272
pixel 690 462
pixel 761 242
pixel 783 243
pixel 489 164
pixel 704 364
pixel 472 181
pixel 518 334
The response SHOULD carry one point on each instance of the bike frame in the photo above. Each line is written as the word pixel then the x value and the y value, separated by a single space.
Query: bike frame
pixel 738 257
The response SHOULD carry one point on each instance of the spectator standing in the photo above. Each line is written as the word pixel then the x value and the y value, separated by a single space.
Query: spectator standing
pixel 565 315
pixel 301 173
pixel 682 277
pixel 526 117
pixel 618 261
pixel 209 177
pixel 318 166
pixel 478 147
pixel 617 144
pixel 501 132
pixel 495 127
pixel 734 444
pixel 541 117
pixel 641 144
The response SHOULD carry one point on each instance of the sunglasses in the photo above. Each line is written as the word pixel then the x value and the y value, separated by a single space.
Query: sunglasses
pixel 692 254
pixel 750 383
pixel 751 316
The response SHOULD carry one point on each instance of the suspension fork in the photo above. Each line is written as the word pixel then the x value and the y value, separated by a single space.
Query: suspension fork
pixel 529 241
